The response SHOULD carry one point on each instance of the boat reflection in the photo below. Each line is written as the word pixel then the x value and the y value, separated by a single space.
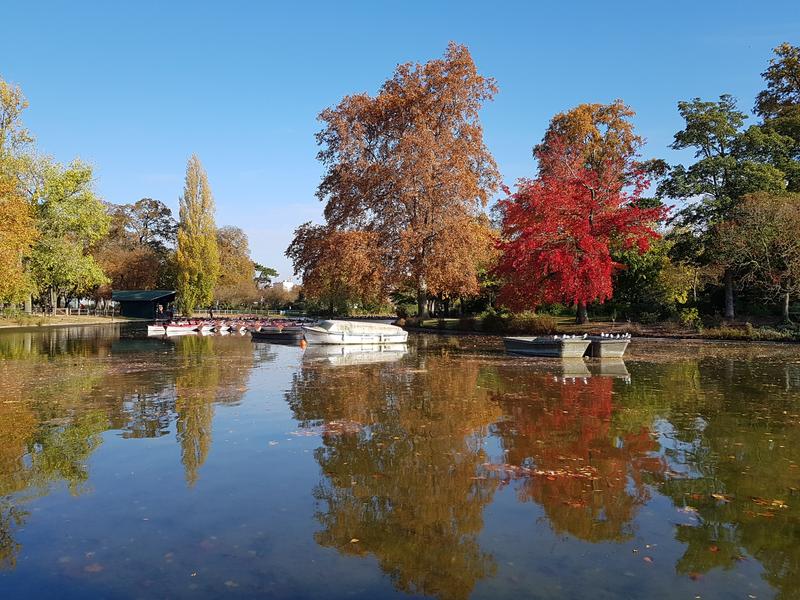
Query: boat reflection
pixel 610 367
pixel 350 354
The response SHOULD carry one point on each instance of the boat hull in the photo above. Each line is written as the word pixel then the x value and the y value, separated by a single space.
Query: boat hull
pixel 178 330
pixel 547 347
pixel 315 335
pixel 293 334
pixel 607 347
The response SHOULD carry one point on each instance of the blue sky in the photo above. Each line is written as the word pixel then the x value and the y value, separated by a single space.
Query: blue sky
pixel 135 88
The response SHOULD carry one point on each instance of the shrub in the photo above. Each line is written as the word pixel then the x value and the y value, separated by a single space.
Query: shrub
pixel 648 318
pixel 690 317
pixel 493 322
pixel 528 322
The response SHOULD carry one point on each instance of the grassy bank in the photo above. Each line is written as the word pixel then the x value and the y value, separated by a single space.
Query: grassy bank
pixel 528 324
pixel 26 321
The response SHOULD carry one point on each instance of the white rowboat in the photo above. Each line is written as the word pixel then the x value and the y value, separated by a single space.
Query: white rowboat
pixel 354 332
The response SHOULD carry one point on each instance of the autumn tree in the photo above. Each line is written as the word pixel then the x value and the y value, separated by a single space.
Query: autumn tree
pixel 18 231
pixel 559 230
pixel 17 236
pixel 197 252
pixel 13 135
pixel 137 252
pixel 762 246
pixel 338 268
pixel 236 282
pixel 409 166
pixel 151 223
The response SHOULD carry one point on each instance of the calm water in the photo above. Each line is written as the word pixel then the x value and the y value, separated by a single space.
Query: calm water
pixel 216 467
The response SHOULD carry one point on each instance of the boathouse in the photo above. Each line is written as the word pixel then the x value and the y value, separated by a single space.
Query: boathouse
pixel 142 304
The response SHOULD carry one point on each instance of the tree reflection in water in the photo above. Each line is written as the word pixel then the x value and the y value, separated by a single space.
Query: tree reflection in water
pixel 401 486
pixel 63 388
pixel 584 467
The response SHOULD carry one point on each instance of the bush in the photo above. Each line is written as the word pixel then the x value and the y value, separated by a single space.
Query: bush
pixel 748 332
pixel 493 322
pixel 690 317
pixel 648 318
pixel 528 322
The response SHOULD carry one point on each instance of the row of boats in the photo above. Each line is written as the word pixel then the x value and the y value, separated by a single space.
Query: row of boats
pixel 335 332
pixel 319 332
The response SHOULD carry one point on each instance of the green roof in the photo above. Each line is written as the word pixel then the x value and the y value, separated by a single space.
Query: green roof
pixel 140 295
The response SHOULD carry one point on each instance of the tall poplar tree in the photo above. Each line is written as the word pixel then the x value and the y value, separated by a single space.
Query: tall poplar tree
pixel 197 254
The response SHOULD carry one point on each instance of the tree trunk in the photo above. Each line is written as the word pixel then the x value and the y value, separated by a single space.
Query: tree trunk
pixel 729 307
pixel 582 315
pixel 786 307
pixel 422 301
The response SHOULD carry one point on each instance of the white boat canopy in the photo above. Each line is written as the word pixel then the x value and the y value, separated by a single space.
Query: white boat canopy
pixel 358 328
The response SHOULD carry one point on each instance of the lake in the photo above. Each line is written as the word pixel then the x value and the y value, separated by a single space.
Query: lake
pixel 212 466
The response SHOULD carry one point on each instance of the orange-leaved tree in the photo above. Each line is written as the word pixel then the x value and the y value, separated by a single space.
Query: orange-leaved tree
pixel 409 167
pixel 339 268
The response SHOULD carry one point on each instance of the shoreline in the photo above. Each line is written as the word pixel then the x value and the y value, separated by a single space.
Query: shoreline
pixel 654 337
pixel 76 321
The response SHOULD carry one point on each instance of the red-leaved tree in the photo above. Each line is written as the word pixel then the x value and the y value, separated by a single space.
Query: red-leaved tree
pixel 559 230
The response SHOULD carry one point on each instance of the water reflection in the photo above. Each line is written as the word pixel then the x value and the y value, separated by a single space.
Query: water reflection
pixel 64 387
pixel 440 462
pixel 585 467
pixel 355 354
pixel 402 484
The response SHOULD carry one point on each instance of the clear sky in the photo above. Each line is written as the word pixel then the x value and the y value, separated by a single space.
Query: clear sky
pixel 134 88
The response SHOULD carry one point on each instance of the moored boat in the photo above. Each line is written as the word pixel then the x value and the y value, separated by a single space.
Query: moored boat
pixel 277 334
pixel 354 332
pixel 607 345
pixel 180 328
pixel 157 329
pixel 555 346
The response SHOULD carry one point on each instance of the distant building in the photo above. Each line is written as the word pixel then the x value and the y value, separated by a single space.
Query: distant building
pixel 142 303
pixel 286 285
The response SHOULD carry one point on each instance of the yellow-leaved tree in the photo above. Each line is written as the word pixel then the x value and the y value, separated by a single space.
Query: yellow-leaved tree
pixel 197 253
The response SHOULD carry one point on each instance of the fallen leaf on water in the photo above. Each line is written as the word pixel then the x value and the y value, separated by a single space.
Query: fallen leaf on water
pixel 647 559
pixel 93 568
pixel 721 497
pixel 695 576
pixel 354 540
pixel 713 548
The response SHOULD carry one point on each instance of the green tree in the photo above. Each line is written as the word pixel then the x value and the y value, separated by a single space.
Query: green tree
pixel 197 254
pixel 779 105
pixel 71 219
pixel 264 274
pixel 731 162
pixel 762 244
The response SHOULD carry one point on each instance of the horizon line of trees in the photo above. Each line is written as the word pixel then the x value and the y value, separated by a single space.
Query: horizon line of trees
pixel 408 178
pixel 59 240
